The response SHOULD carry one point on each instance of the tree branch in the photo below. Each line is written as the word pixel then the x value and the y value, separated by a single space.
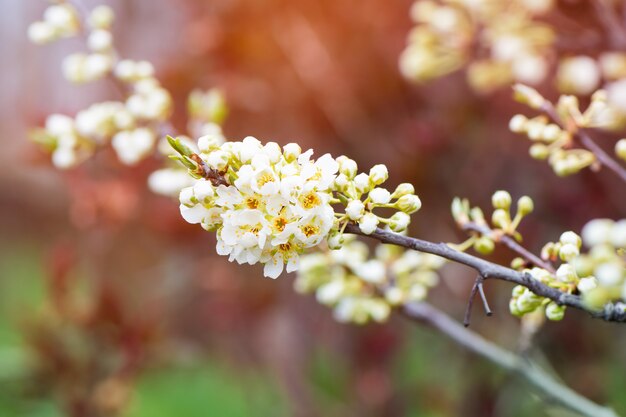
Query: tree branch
pixel 510 243
pixel 614 312
pixel 545 384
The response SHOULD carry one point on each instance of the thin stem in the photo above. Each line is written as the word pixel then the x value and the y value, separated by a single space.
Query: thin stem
pixel 476 288
pixel 615 312
pixel 544 383
pixel 510 243
pixel 604 158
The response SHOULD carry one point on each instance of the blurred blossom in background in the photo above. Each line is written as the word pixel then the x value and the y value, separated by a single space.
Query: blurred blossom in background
pixel 111 305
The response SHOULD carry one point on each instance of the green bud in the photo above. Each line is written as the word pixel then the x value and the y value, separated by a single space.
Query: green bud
pixel 484 245
pixel 518 263
pixel 539 151
pixel 528 96
pixel 555 312
pixel 409 203
pixel 403 189
pixel 501 218
pixel 525 205
pixel 501 200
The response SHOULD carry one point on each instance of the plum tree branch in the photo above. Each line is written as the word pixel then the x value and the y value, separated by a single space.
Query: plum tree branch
pixel 613 312
pixel 545 384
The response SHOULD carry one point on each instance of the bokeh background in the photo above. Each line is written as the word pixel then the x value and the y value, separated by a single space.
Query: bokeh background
pixel 110 304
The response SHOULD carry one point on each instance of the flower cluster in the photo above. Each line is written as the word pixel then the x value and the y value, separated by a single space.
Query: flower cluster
pixel 449 33
pixel 598 275
pixel 133 125
pixel 473 220
pixel 361 288
pixel 269 204
pixel 553 137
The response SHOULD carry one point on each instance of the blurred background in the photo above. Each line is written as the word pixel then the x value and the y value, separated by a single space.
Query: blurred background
pixel 110 304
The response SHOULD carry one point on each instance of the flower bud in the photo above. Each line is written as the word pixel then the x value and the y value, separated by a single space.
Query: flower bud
pixel 378 174
pixel 566 273
pixel 218 160
pixel 368 223
pixel 484 245
pixel 380 196
pixel 362 183
pixel 528 302
pixel 501 200
pixel 525 205
pixel 347 167
pixel 409 203
pixel 403 189
pixel 341 182
pixel 335 240
pixel 620 149
pixel 528 96
pixel 587 284
pixel 355 209
pixel 539 151
pixel 555 312
pixel 518 123
pixel 399 222
pixel 500 218
pixel 291 151
pixel 394 296
pixel 101 17
pixel 551 132
pixel 568 252
pixel 41 33
pixel 209 143
pixel 100 40
pixel 571 238
pixel 518 263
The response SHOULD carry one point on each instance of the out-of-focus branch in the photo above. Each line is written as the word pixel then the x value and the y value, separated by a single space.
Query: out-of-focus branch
pixel 545 384
pixel 608 18
pixel 510 243
pixel 585 140
pixel 614 312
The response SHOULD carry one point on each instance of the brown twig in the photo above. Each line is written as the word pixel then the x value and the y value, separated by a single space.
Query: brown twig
pixel 204 170
pixel 476 288
pixel 613 312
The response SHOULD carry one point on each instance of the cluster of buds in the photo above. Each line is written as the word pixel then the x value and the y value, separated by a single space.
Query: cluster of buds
pixel 361 193
pixel 484 236
pixel 131 126
pixel 59 21
pixel 448 34
pixel 268 204
pixel 554 140
pixel 582 75
pixel 599 275
pixel 361 288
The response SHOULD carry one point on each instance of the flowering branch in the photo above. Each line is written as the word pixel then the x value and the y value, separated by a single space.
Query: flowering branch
pixel 615 312
pixel 586 140
pixel 544 383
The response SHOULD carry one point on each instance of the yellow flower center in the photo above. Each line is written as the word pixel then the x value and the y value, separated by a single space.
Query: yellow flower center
pixel 310 200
